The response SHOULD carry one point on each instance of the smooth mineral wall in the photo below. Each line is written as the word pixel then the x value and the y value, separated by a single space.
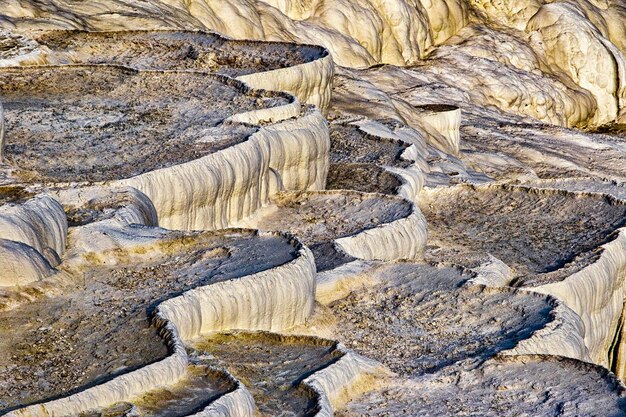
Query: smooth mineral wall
pixel 217 190
pixel 310 82
pixel 39 222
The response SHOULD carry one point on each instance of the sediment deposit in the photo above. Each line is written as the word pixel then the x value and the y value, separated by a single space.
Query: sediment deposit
pixel 283 208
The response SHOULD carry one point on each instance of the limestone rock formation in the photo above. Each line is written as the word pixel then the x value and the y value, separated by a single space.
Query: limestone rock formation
pixel 277 207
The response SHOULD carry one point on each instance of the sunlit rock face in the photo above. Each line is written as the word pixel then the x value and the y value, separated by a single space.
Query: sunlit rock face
pixel 309 208
pixel 568 45
pixel 576 46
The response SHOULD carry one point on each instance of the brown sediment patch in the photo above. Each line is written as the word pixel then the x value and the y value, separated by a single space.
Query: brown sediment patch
pixel 99 328
pixel 368 178
pixel 271 366
pixel 435 108
pixel 13 194
pixel 177 50
pixel 543 235
pixel 616 129
pixel 95 123
pixel 200 387
pixel 349 144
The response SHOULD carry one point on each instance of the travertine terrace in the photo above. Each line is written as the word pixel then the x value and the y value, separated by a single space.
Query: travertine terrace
pixel 356 208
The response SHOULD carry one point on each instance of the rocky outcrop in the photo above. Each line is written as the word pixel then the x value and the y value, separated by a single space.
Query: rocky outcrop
pixel 572 44
pixel 217 190
pixel 401 239
pixel 311 82
pixel 33 236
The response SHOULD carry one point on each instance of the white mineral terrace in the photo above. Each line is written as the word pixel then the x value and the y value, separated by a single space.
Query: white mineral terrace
pixel 280 208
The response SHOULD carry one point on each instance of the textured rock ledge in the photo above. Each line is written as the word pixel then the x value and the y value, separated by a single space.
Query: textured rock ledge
pixel 220 189
pixel 306 71
pixel 342 380
pixel 382 227
pixel 285 148
pixel 401 239
pixel 596 294
pixel 563 102
pixel 588 287
pixel 291 287
pixel 33 236
pixel 289 373
pixel 227 185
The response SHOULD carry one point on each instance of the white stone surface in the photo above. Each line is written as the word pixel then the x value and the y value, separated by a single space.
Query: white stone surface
pixel 511 64
pixel 39 222
pixel 343 379
pixel 574 45
pixel 21 264
pixel 311 82
pixel 401 239
pixel 217 190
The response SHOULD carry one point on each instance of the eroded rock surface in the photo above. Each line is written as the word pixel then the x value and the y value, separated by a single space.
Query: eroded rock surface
pixel 541 235
pixel 526 386
pixel 320 218
pixel 419 319
pixel 101 327
pixel 102 123
pixel 165 132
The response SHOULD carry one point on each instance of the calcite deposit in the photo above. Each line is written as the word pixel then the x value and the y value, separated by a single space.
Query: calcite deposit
pixel 283 208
